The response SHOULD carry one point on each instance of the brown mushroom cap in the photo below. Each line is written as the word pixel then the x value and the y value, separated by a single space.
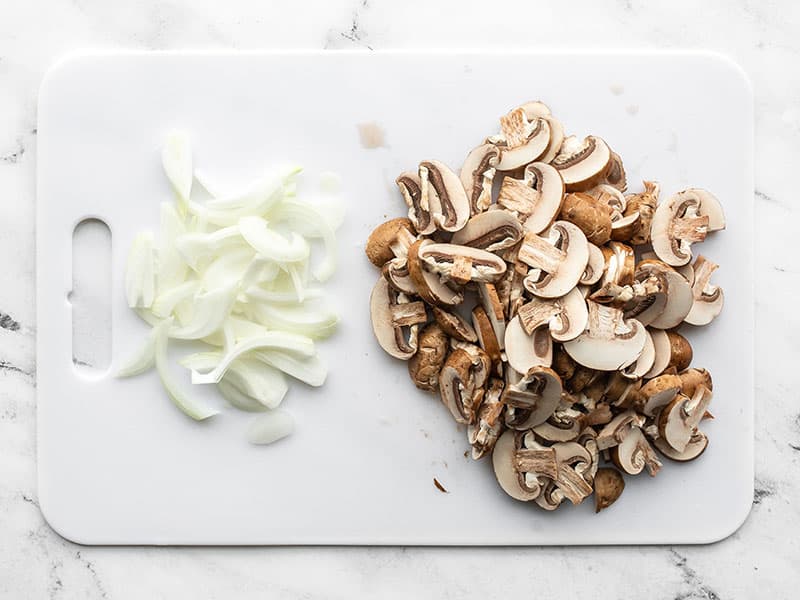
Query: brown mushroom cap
pixel 425 365
pixel 680 351
pixel 477 175
pixel 429 285
pixel 692 378
pixel 492 231
pixel 591 216
pixel 441 188
pixel 391 312
pixel 608 486
pixel 658 392
pixel 379 248
pixel 582 163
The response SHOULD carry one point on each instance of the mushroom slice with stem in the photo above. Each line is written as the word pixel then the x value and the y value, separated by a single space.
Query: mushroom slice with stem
pixel 678 420
pixel 525 351
pixel 679 293
pixel 534 398
pixel 634 453
pixel 620 264
pixel 610 343
pixel 442 191
pixel 608 487
pixel 393 314
pixel 536 198
pixel 486 336
pixel 557 260
pixel 492 231
pixel 521 141
pixel 389 240
pixel 462 381
pixel 582 163
pixel 696 446
pixel 566 317
pixel 593 217
pixel 419 212
pixel 645 361
pixel 663 352
pixel 684 219
pixel 461 264
pixel 615 430
pixel 708 298
pixel 425 365
pixel 564 425
pixel 454 325
pixel 428 283
pixel 644 204
pixel 540 110
pixel 575 464
pixel 519 468
pixel 397 274
pixel 615 174
pixel 594 268
pixel 483 434
pixel 477 176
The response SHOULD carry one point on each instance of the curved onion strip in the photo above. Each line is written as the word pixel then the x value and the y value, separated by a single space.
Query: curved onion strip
pixel 316 324
pixel 171 265
pixel 140 284
pixel 238 399
pixel 306 219
pixel 165 303
pixel 210 311
pixel 309 370
pixel 272 245
pixel 144 358
pixel 282 296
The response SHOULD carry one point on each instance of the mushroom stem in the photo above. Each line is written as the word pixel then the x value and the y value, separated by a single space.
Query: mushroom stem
pixel 539 253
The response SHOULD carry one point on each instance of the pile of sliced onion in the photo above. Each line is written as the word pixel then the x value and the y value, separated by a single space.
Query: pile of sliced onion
pixel 239 274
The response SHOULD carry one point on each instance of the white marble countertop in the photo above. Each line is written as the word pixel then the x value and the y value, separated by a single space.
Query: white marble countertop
pixel 761 560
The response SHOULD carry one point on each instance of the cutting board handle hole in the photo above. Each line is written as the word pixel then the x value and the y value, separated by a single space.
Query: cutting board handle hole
pixel 90 298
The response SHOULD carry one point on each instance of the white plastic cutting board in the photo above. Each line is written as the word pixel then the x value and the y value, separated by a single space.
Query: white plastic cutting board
pixel 118 464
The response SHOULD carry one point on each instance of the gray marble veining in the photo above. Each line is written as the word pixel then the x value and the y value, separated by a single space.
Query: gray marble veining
pixel 761 560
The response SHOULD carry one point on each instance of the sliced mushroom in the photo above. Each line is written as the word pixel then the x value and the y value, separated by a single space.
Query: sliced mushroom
pixel 428 283
pixel 615 174
pixel 424 367
pixel 663 352
pixel 461 382
pixel 658 392
pixel 625 227
pixel 443 192
pixel 645 361
pixel 684 219
pixel 454 325
pixel 557 260
pixel 643 204
pixel 678 420
pixel 582 163
pixel 692 378
pixel 419 212
pixel 593 217
pixel 521 141
pixel 460 264
pixel 600 415
pixel 563 364
pixel 536 198
pixel 492 231
pixel 634 453
pixel 477 175
pixel 389 240
pixel 680 351
pixel 488 426
pixel 393 314
pixel 575 467
pixel 524 351
pixel 678 293
pixel 490 300
pixel 708 298
pixel 616 429
pixel 512 461
pixel 696 446
pixel 397 274
pixel 594 268
pixel 610 342
pixel 622 391
pixel 620 267
pixel 486 336
pixel 608 487
pixel 535 397
pixel 565 317
pixel 564 425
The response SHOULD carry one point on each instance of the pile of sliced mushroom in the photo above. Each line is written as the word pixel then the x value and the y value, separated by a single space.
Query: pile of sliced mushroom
pixel 541 301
